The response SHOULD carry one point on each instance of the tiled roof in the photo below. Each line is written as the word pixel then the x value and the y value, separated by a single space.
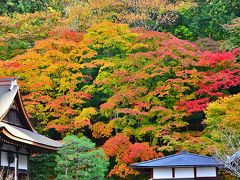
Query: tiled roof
pixel 32 137
pixel 183 159
pixel 7 95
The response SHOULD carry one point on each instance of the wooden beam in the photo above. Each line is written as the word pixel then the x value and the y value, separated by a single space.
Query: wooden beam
pixel 173 172
pixel 152 173
pixel 195 173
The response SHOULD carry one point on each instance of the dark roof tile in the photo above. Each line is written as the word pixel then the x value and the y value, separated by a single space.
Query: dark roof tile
pixel 179 160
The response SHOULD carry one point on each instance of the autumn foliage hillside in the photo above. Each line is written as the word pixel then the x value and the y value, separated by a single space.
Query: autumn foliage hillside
pixel 137 93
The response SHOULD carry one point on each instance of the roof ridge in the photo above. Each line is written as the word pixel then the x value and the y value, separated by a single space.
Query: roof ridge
pixel 164 157
pixel 173 155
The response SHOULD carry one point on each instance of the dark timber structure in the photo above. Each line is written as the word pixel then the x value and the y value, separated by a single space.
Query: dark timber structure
pixel 182 166
pixel 18 138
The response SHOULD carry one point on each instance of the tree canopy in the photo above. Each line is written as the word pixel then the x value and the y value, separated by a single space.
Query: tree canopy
pixel 139 79
pixel 149 86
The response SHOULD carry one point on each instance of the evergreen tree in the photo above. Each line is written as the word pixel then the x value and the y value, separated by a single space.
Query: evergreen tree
pixel 46 162
pixel 79 159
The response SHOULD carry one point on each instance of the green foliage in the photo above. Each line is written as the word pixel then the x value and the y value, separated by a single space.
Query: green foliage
pixel 42 166
pixel 146 14
pixel 79 159
pixel 186 19
pixel 110 39
pixel 208 17
pixel 22 6
pixel 184 33
pixel 19 32
pixel 233 41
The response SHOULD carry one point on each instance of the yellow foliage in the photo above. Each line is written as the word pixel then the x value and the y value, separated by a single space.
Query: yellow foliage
pixel 100 129
pixel 224 115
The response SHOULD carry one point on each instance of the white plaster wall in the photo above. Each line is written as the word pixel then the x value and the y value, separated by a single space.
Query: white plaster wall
pixel 4 161
pixel 162 173
pixel 22 161
pixel 22 164
pixel 184 172
pixel 206 172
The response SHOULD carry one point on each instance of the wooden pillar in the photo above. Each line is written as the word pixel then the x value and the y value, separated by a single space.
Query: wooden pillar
pixel 152 173
pixel 173 172
pixel 195 173
pixel 1 145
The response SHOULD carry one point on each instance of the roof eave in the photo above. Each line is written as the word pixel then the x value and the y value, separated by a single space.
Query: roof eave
pixel 24 141
pixel 171 166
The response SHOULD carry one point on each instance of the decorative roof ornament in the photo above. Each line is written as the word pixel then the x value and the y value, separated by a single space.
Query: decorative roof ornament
pixel 13 83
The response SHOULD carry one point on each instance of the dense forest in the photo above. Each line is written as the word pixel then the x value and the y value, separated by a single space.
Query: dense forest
pixel 138 79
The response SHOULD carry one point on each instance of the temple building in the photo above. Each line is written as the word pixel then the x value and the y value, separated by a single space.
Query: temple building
pixel 18 138
pixel 185 166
